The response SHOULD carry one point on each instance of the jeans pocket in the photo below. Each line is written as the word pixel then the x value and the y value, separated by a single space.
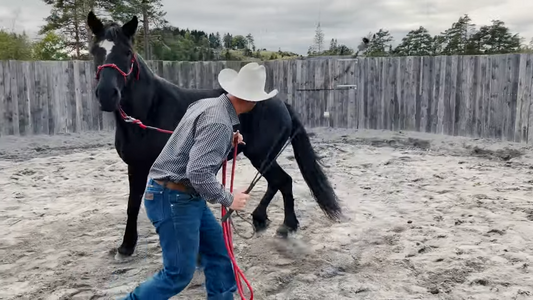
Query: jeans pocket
pixel 154 201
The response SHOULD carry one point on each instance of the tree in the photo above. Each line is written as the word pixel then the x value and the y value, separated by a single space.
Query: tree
pixel 417 42
pixel 238 42
pixel 67 17
pixel 250 42
pixel 14 46
pixel 318 40
pixel 152 15
pixel 50 47
pixel 456 38
pixel 380 45
pixel 227 40
pixel 496 39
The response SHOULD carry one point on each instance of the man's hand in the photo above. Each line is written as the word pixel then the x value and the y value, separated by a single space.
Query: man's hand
pixel 237 137
pixel 239 201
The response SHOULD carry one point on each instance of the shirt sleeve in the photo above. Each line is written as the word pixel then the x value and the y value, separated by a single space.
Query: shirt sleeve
pixel 208 152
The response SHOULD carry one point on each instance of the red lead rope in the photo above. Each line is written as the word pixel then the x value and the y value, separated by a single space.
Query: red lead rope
pixel 226 227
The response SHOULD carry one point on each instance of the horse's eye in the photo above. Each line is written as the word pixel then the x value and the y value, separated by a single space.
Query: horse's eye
pixel 128 52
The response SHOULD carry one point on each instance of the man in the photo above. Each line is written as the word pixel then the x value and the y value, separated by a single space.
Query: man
pixel 183 178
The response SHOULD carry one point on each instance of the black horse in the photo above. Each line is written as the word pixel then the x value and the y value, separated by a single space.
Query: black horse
pixel 126 85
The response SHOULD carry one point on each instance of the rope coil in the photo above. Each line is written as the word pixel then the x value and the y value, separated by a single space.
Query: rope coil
pixel 226 228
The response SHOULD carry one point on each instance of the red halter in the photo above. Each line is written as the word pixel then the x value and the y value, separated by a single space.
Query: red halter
pixel 124 74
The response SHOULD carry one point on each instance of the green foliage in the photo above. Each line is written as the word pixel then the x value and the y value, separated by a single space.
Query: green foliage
pixel 14 46
pixel 381 43
pixel 462 38
pixel 50 47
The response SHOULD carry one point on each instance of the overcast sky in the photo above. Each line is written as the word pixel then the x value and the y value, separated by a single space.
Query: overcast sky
pixel 290 24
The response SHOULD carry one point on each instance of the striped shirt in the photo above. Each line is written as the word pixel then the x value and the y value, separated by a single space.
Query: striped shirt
pixel 197 147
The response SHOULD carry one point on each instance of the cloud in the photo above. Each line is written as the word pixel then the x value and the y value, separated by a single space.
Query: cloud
pixel 290 25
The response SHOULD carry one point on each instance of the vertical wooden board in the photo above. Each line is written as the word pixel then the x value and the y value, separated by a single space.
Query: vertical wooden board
pixel 425 93
pixel 444 90
pixel 30 96
pixel 414 63
pixel 344 97
pixel 399 63
pixel 471 94
pixel 83 105
pixel 309 96
pixel 373 90
pixel 526 93
pixel 23 85
pixel 44 98
pixel 390 87
pixel 3 73
pixel 513 114
pixel 198 74
pixel 298 84
pixel 70 101
pixel 461 108
pixel 475 91
pixel 498 65
pixel 77 105
pixel 291 72
pixel 352 78
pixel 384 83
pixel 12 103
pixel 319 105
pixel 505 95
pixel 367 95
pixel 404 102
pixel 449 95
pixel 484 93
pixel 378 97
pixel 529 130
pixel 64 97
pixel 418 68
pixel 285 77
pixel 369 92
pixel 93 106
pixel 487 97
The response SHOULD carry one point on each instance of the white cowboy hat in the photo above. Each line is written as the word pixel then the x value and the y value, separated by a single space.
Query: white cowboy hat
pixel 248 84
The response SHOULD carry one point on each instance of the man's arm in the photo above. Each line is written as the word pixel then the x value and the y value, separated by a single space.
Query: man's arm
pixel 207 153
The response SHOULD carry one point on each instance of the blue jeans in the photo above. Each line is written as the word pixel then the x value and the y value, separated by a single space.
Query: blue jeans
pixel 186 227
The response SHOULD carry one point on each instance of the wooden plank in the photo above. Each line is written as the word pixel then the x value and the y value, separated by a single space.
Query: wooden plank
pixel 523 98
pixel 352 78
pixel 3 98
pixel 513 114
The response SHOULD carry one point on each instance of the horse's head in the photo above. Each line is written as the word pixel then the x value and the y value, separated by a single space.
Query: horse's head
pixel 114 57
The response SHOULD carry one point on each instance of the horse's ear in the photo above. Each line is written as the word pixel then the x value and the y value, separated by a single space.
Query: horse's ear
pixel 130 28
pixel 94 23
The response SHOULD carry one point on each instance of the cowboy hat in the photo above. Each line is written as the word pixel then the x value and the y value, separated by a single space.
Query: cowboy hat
pixel 248 84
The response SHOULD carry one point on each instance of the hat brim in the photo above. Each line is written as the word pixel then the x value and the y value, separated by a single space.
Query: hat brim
pixel 226 80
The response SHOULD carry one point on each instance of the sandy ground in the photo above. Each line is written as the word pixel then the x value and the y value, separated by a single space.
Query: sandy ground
pixel 428 217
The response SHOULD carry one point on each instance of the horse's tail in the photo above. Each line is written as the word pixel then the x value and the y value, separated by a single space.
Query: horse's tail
pixel 312 172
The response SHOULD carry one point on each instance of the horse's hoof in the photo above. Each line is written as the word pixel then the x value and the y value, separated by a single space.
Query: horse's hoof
pixel 124 254
pixel 283 231
pixel 121 258
pixel 261 225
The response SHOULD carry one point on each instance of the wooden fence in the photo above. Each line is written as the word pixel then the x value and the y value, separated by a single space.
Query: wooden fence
pixel 477 96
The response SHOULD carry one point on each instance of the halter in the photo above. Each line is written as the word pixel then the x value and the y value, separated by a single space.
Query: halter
pixel 124 74
pixel 126 117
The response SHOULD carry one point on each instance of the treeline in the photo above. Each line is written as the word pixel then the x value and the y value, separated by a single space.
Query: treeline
pixel 65 35
pixel 462 38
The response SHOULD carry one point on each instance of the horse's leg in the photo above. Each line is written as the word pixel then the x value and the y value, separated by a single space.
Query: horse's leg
pixel 277 180
pixel 137 180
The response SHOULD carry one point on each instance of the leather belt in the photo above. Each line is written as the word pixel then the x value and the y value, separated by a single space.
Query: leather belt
pixel 176 186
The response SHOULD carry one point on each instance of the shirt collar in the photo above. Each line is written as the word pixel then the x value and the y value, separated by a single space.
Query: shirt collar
pixel 231 110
